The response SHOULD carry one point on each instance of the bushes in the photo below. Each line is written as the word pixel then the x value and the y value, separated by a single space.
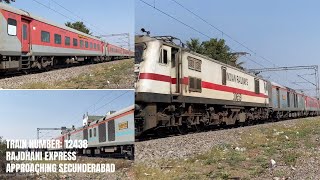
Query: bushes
pixel 3 148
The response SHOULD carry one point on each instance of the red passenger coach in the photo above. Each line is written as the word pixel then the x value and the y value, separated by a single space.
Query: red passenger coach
pixel 28 41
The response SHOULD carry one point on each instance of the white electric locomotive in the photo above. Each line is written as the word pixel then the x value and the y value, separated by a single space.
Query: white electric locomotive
pixel 180 90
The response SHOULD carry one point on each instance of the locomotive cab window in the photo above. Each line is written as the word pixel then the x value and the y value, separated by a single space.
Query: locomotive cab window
pixel 75 42
pixel 12 27
pixel 163 56
pixel 67 41
pixel 256 86
pixel 57 38
pixel 45 36
pixel 224 75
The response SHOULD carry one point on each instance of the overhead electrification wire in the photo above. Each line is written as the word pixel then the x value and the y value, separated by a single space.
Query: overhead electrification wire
pixel 216 28
pixel 81 18
pixel 54 10
pixel 101 32
pixel 185 24
pixel 224 33
pixel 111 101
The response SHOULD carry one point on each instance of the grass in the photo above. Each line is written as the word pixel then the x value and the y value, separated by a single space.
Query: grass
pixel 104 76
pixel 284 144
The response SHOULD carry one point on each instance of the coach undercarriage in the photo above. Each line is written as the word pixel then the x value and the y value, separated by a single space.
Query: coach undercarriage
pixel 26 63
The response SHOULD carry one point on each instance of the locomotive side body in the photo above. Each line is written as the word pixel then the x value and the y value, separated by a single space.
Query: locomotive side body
pixel 112 135
pixel 177 90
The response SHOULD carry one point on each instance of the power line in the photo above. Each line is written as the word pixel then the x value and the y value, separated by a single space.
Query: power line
pixel 81 18
pixel 111 101
pixel 192 28
pixel 96 109
pixel 167 14
pixel 54 10
pixel 243 45
pixel 227 35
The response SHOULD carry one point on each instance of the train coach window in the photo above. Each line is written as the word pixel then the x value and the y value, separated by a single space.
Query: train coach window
pixel 45 36
pixel 94 132
pixel 81 43
pixel 86 44
pixel 163 56
pixel 256 86
pixel 90 133
pixel 67 41
pixel 98 46
pixel 57 38
pixel 12 27
pixel 75 42
pixel 91 46
pixel 94 46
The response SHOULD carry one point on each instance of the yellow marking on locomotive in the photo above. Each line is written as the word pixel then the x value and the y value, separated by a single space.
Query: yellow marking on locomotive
pixel 123 125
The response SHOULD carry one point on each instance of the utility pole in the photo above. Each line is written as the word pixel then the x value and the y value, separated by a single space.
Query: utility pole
pixel 126 35
pixel 48 129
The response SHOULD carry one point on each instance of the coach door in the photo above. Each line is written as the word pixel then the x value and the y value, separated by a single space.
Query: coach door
pixel 278 97
pixel 26 38
pixel 175 70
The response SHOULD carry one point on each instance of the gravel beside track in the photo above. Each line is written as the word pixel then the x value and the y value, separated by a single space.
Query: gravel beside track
pixel 292 152
pixel 185 146
pixel 54 76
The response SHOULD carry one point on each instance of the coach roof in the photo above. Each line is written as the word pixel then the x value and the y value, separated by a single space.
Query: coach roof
pixel 31 15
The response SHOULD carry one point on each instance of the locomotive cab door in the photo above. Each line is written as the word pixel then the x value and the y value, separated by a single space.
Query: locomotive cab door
pixel 26 35
pixel 175 70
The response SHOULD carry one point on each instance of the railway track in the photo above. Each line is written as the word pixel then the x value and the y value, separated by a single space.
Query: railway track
pixel 11 74
pixel 174 133
pixel 106 75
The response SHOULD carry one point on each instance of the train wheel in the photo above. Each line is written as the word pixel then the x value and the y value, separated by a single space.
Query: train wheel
pixel 183 129
pixel 161 132
pixel 200 127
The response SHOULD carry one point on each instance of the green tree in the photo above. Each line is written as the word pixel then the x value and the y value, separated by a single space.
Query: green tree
pixel 3 149
pixel 80 26
pixel 7 1
pixel 215 49
pixel 195 45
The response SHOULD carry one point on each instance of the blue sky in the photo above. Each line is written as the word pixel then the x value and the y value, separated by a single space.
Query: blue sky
pixel 107 17
pixel 285 32
pixel 22 111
